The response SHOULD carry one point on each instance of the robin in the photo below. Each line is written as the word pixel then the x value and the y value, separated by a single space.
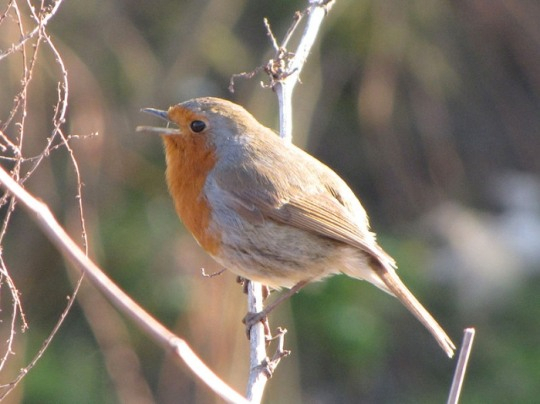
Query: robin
pixel 267 210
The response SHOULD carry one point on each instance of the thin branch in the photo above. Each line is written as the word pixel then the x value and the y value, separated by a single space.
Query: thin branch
pixel 69 249
pixel 23 372
pixel 271 35
pixel 280 353
pixel 58 120
pixel 461 367
pixel 29 61
pixel 48 13
pixel 16 311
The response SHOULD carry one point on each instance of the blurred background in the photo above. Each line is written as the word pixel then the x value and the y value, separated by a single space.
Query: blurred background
pixel 429 109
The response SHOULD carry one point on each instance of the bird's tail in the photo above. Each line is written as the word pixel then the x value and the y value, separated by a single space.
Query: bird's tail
pixel 398 289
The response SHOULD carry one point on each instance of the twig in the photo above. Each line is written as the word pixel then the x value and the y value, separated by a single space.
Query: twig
pixel 283 83
pixel 280 353
pixel 213 274
pixel 39 17
pixel 48 14
pixel 56 234
pixel 16 311
pixel 461 367
pixel 285 86
pixel 24 371
pixel 277 67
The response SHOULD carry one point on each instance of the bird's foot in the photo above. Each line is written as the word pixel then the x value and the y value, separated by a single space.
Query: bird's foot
pixel 251 319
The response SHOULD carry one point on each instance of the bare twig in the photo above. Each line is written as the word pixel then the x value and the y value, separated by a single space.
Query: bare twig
pixel 285 68
pixel 16 311
pixel 41 21
pixel 28 46
pixel 23 372
pixel 211 275
pixel 56 234
pixel 461 366
pixel 280 353
pixel 277 67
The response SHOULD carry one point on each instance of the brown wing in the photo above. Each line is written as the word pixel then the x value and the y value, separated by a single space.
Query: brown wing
pixel 325 216
pixel 319 210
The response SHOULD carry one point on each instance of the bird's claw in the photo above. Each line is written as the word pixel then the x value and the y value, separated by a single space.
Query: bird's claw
pixel 252 319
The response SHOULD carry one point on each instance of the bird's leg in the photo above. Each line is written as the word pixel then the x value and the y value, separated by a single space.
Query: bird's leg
pixel 266 291
pixel 253 318
pixel 243 282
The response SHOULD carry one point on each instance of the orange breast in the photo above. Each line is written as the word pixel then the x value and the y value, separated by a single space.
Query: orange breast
pixel 189 161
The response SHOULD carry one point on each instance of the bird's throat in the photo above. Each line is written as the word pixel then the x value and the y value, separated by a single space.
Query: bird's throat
pixel 189 160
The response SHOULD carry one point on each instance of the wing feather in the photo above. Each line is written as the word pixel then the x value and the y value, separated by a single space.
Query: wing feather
pixel 319 210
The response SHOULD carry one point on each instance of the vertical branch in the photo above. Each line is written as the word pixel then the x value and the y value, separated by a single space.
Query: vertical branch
pixel 284 82
pixel 284 87
pixel 461 366
pixel 257 347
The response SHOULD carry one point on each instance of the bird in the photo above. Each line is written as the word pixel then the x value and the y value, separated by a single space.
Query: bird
pixel 267 210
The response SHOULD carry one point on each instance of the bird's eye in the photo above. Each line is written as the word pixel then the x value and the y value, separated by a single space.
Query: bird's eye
pixel 197 126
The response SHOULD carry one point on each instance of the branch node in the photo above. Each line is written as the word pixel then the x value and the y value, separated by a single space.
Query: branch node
pixel 269 365
pixel 279 67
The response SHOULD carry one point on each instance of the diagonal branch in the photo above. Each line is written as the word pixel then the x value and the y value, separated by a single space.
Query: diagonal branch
pixel 461 367
pixel 69 249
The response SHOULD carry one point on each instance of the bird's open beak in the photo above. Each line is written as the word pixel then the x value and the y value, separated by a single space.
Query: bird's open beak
pixel 157 112
pixel 162 131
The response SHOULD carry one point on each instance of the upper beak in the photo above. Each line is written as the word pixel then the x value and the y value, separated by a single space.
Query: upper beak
pixel 157 112
pixel 163 115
